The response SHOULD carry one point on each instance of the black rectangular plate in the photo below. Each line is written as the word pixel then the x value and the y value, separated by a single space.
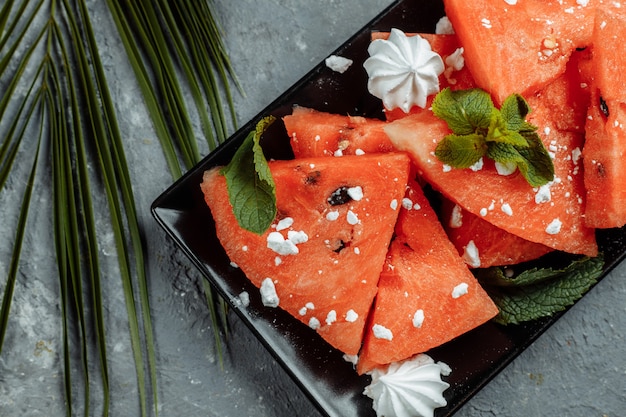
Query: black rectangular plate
pixel 321 372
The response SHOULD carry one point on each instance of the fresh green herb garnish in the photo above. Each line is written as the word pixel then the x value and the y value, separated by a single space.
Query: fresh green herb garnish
pixel 251 188
pixel 481 130
pixel 536 293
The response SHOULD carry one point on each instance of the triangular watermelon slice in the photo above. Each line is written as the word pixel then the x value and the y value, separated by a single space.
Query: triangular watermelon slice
pixel 315 133
pixel 426 294
pixel 519 46
pixel 335 220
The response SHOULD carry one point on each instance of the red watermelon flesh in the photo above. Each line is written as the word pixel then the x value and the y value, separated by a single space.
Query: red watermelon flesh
pixel 481 244
pixel 551 215
pixel 448 47
pixel 604 151
pixel 426 294
pixel 316 133
pixel 331 282
pixel 521 47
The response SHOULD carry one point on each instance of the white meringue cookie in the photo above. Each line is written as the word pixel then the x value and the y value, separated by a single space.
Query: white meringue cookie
pixel 411 388
pixel 403 70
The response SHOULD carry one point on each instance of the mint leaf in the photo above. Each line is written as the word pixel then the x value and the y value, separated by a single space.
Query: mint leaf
pixel 479 128
pixel 251 188
pixel 536 293
pixel 537 166
pixel 464 111
pixel 514 111
pixel 461 151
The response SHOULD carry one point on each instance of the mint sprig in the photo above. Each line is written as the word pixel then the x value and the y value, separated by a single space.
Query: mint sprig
pixel 479 130
pixel 251 188
pixel 538 292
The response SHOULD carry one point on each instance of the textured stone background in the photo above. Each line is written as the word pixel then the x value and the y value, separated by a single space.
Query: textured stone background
pixel 577 368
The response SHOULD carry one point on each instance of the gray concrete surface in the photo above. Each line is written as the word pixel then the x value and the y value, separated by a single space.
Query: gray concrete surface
pixel 577 368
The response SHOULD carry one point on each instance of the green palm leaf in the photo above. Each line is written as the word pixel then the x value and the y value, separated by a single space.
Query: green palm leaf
pixel 67 120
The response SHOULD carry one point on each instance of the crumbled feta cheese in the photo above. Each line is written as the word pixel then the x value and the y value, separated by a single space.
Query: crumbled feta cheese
pixel 278 260
pixel 506 209
pixel 303 311
pixel 444 27
pixel 359 152
pixel 511 2
pixel 277 242
pixel 356 193
pixel 357 251
pixel 554 227
pixel 418 318
pixel 505 168
pixel 456 217
pixel 338 63
pixel 332 215
pixel 407 203
pixel 297 237
pixel 284 223
pixel 381 332
pixel 352 218
pixel 269 298
pixel 486 23
pixel 460 290
pixel 478 165
pixel 543 194
pixel 471 256
pixel 351 316
pixel 331 317
pixel 314 323
pixel 393 204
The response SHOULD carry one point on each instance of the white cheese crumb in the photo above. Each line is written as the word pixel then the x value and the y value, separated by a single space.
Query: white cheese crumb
pixel 506 209
pixel 478 165
pixel 359 152
pixel 505 168
pixel 511 2
pixel 310 306
pixel 418 318
pixel 314 323
pixel 269 298
pixel 459 290
pixel 303 311
pixel 554 227
pixel 338 152
pixel 284 223
pixel 332 215
pixel 381 332
pixel 351 316
pixel 357 251
pixel 277 242
pixel 352 218
pixel 486 23
pixel 407 203
pixel 331 317
pixel 353 359
pixel 483 212
pixel 456 217
pixel 356 193
pixel 243 299
pixel 543 194
pixel 582 2
pixel 471 256
pixel 447 168
pixel 278 260
pixel 338 63
pixel 297 237
pixel 244 248
pixel 393 204
pixel 444 27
